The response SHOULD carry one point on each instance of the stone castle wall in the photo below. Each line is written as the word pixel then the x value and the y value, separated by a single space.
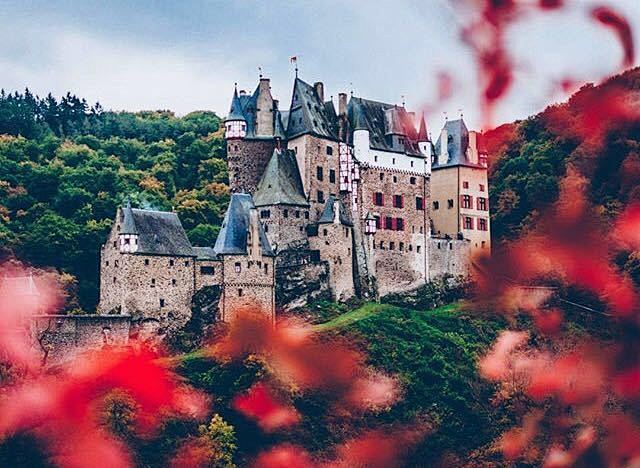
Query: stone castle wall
pixel 204 277
pixel 247 160
pixel 399 258
pixel 59 337
pixel 284 224
pixel 448 257
pixel 248 283
pixel 312 152
pixel 335 244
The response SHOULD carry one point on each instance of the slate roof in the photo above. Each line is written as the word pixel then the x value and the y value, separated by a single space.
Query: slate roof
pixel 160 232
pixel 243 107
pixel 235 112
pixel 308 114
pixel 128 226
pixel 457 144
pixel 232 239
pixel 382 120
pixel 281 183
pixel 205 253
pixel 423 135
pixel 329 215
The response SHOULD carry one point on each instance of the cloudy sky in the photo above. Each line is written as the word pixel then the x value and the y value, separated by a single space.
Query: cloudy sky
pixel 187 55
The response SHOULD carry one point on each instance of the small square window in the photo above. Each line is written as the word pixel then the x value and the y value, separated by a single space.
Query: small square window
pixel 238 267
pixel 329 150
pixel 482 187
pixel 285 213
pixel 465 184
pixel 450 203
pixel 436 205
pixel 173 282
pixel 412 180
pixel 171 262
pixel 186 263
pixel 146 262
pixel 161 302
pixel 320 196
pixel 153 282
pixel 240 292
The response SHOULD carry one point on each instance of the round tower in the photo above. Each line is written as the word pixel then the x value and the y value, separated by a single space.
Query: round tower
pixel 235 124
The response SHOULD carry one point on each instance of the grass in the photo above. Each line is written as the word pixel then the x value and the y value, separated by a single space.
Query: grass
pixel 373 308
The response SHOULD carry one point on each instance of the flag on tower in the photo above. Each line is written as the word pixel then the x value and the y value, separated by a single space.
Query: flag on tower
pixel 294 59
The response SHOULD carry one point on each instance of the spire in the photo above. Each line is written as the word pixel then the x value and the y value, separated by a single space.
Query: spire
pixel 422 131
pixel 128 223
pixel 235 113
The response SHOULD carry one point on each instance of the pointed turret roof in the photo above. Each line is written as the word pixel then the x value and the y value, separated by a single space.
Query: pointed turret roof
pixel 128 225
pixel 235 112
pixel 232 239
pixel 422 131
pixel 329 212
pixel 281 183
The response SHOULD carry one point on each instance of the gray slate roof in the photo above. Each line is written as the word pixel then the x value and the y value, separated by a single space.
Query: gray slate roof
pixel 160 232
pixel 235 113
pixel 457 144
pixel 232 239
pixel 205 253
pixel 308 114
pixel 243 107
pixel 382 120
pixel 281 183
pixel 329 214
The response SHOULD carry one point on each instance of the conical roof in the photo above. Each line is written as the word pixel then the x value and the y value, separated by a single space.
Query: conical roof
pixel 128 225
pixel 281 183
pixel 329 212
pixel 235 113
pixel 422 131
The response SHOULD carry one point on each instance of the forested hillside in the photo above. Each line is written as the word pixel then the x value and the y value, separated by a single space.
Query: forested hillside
pixel 65 166
pixel 597 130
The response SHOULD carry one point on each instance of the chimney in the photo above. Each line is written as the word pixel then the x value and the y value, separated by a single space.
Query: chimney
pixel 342 104
pixel 264 85
pixel 472 151
pixel 444 150
pixel 255 232
pixel 319 87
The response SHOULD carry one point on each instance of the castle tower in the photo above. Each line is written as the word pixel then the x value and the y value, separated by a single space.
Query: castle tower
pixel 128 236
pixel 460 197
pixel 250 131
pixel 424 144
pixel 248 273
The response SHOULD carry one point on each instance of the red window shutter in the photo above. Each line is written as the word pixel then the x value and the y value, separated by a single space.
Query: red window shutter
pixel 461 201
pixel 478 203
pixel 401 201
pixel 374 198
pixel 394 224
pixel 470 201
pixel 382 199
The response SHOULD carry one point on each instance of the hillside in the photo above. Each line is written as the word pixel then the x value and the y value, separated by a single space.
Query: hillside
pixel 66 166
pixel 597 129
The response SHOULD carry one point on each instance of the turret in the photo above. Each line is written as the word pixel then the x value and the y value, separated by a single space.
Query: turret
pixel 128 236
pixel 424 145
pixel 235 124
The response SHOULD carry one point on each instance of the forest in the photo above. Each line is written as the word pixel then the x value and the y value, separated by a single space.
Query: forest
pixel 66 165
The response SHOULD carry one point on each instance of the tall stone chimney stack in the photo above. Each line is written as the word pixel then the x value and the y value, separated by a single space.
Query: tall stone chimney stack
pixel 342 104
pixel 319 87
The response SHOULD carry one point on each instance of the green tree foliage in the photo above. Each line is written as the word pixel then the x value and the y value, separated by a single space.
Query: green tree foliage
pixel 221 437
pixel 65 166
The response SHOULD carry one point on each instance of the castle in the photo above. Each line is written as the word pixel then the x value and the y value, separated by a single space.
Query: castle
pixel 326 202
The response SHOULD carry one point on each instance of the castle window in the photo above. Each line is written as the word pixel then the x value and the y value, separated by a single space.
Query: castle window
pixel 466 201
pixel 207 270
pixel 266 228
pixel 481 187
pixel 465 184
pixel 126 241
pixel 285 213
pixel 329 150
pixel 375 158
pixel 482 204
pixel 238 268
pixel 401 246
pixel 420 203
pixel 412 180
pixel 395 179
pixel 411 163
pixel 382 245
pixel 306 215
pixel 153 282
pixel 378 224
pixel 421 231
pixel 114 280
pixel 332 175
pixel 266 269
pixel 161 302
pixel 320 196
pixel 240 292
pixel 392 246
pixel 393 161
pixel 439 247
pixel 324 232
pixel 236 148
pixel 319 173
pixel 382 176
pixel 483 244
pixel 114 243
pixel 171 262
pixel 173 282
pixel 400 224
pixel 297 213
pixel 107 263
pixel 378 199
pixel 482 224
pixel 146 262
pixel 116 263
pixel 450 245
pixel 417 248
pixel 346 232
pixel 265 214
pixel 186 263
pixel 450 203
pixel 398 201
pixel 301 229
pixel 388 222
pixel 410 248
pixel 468 222
pixel 436 205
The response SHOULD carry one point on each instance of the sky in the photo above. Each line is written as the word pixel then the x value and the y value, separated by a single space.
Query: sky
pixel 187 55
